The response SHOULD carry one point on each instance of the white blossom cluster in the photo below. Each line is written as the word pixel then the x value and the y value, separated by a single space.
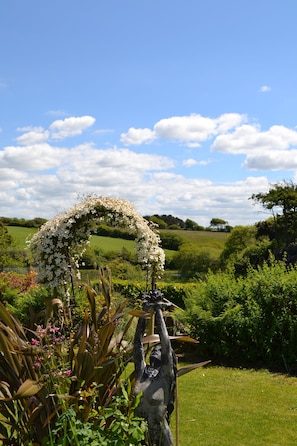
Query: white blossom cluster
pixel 60 242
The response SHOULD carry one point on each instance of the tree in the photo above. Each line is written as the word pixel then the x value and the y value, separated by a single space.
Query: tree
pixel 218 224
pixel 281 200
pixel 192 263
pixel 192 225
pixel 5 237
pixel 170 240
pixel 240 238
pixel 158 221
pixel 5 243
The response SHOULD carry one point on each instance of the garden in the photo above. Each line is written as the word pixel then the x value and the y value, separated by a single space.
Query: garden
pixel 64 381
pixel 66 341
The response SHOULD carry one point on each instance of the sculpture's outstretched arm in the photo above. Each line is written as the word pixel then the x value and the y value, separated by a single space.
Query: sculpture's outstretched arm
pixel 167 353
pixel 139 357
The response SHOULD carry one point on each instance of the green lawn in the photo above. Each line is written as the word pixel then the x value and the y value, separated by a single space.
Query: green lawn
pixel 232 407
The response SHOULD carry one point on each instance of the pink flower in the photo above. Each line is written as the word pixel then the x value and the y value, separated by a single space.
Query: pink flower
pixel 35 341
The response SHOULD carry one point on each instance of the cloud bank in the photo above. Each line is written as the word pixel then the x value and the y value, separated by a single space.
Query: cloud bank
pixel 46 170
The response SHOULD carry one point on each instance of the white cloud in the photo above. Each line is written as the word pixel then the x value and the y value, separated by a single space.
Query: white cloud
pixel 35 157
pixel 202 199
pixel 190 130
pixel 34 136
pixel 145 179
pixel 39 179
pixel 265 89
pixel 272 160
pixel 137 136
pixel 249 138
pixel 73 126
pixel 189 162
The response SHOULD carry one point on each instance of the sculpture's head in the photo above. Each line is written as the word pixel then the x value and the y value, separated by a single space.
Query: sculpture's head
pixel 155 358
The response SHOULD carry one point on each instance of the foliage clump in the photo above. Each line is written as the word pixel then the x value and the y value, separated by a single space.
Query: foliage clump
pixel 247 320
pixel 61 384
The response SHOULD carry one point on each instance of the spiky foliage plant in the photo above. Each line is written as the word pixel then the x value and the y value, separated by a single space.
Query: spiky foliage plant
pixel 54 371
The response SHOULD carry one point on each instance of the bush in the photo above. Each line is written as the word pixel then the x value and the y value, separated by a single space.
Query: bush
pixel 247 320
pixel 23 297
pixel 61 385
pixel 176 293
pixel 170 240
pixel 192 262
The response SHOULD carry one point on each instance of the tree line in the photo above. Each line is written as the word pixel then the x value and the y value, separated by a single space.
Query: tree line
pixel 163 222
pixel 34 223
pixel 171 222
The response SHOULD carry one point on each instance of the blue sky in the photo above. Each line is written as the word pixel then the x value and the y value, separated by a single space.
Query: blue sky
pixel 182 107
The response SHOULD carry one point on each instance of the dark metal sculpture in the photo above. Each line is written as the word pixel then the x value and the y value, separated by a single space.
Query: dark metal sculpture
pixel 156 380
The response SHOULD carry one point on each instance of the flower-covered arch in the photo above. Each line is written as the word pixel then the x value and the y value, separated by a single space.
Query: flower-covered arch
pixel 60 242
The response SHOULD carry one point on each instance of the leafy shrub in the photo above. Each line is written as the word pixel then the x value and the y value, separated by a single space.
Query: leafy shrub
pixel 176 293
pixel 59 386
pixel 192 262
pixel 24 298
pixel 170 240
pixel 115 425
pixel 247 320
pixel 108 231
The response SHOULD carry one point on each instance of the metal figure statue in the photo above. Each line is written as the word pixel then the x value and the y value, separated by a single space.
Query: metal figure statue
pixel 156 380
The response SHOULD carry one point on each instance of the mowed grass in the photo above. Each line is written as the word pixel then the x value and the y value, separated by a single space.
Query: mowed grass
pixel 232 407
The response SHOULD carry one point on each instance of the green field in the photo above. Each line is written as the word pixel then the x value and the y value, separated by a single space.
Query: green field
pixel 20 235
pixel 213 241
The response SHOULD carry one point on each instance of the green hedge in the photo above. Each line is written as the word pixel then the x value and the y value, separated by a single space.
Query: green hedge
pixel 251 320
pixel 132 290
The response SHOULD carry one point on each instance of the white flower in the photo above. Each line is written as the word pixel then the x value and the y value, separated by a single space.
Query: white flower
pixel 61 241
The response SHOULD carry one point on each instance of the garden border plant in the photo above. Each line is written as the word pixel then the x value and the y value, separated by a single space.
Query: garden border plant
pixel 58 378
pixel 53 374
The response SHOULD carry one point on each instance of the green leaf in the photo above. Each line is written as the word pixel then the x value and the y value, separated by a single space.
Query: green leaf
pixel 188 369
pixel 91 294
